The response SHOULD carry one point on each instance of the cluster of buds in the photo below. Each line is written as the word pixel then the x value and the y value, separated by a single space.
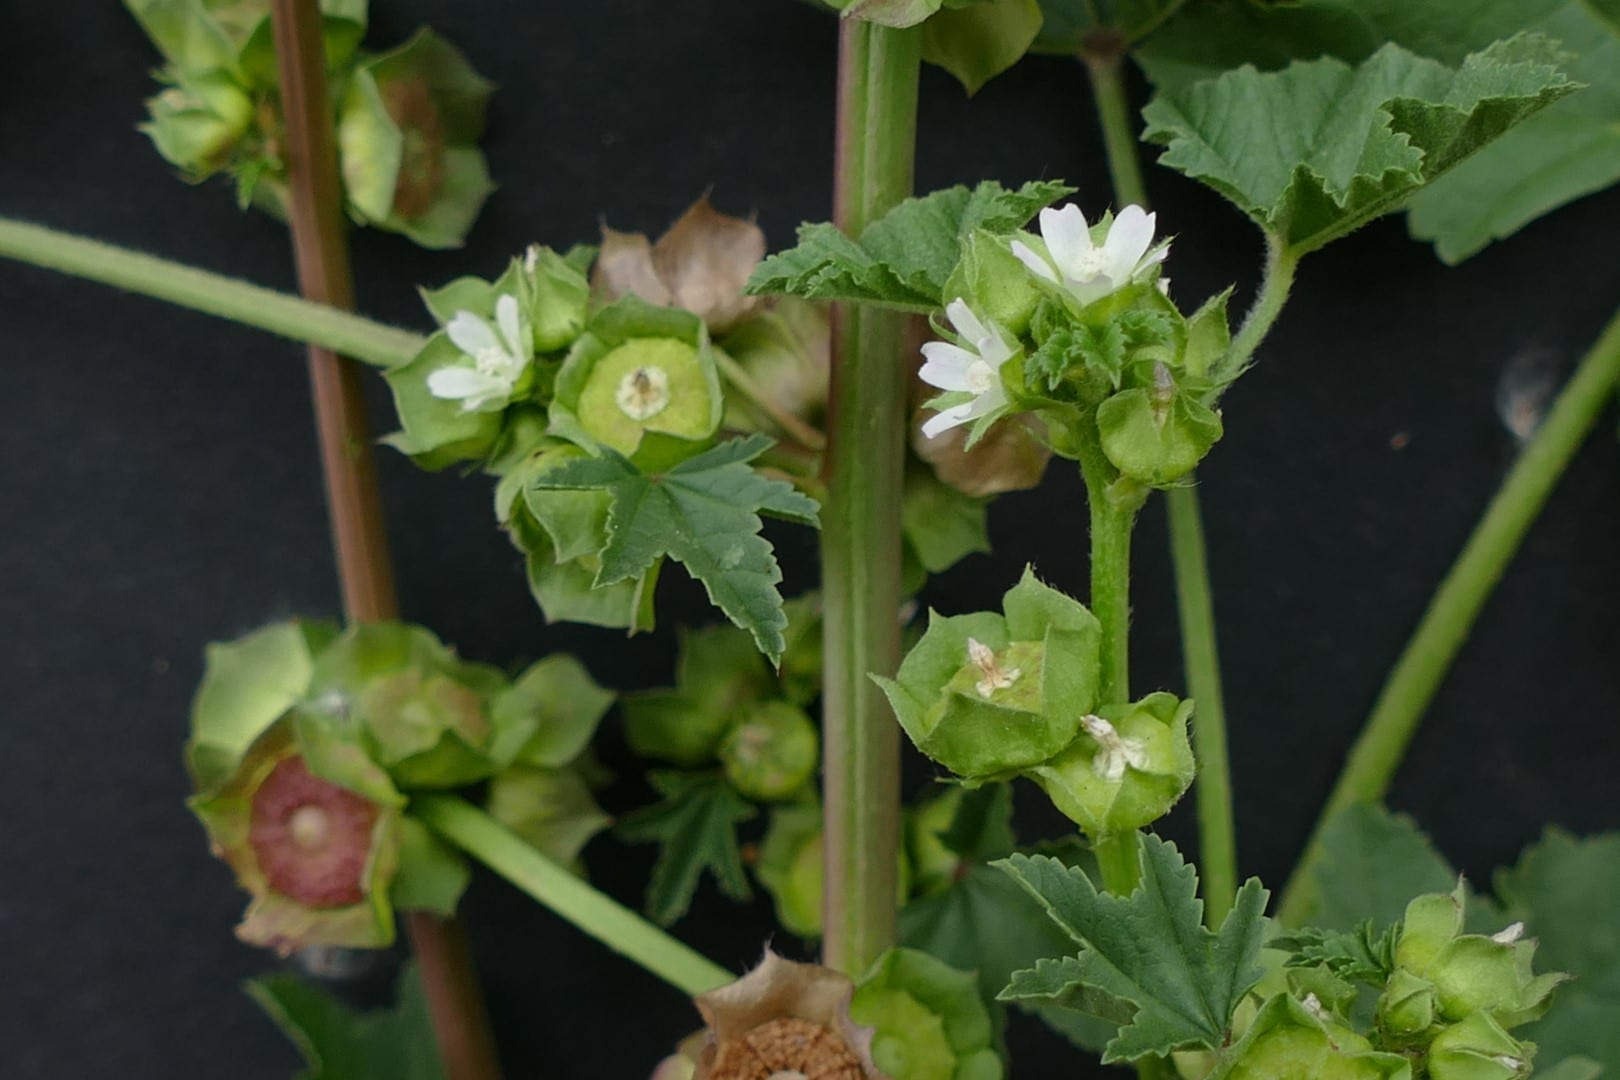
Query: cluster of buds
pixel 306 743
pixel 991 696
pixel 1076 326
pixel 408 120
pixel 1459 995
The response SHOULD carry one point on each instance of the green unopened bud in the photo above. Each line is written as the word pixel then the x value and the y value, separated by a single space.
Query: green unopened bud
pixel 928 1020
pixel 993 282
pixel 719 676
pixel 771 752
pixel 987 694
pixel 641 381
pixel 791 867
pixel 1126 770
pixel 1157 434
pixel 1478 1049
pixel 1430 924
pixel 1300 1039
pixel 198 122
pixel 1407 1005
pixel 408 134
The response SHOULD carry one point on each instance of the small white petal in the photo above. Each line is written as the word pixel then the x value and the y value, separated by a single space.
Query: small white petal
pixel 453 383
pixel 1067 235
pixel 471 334
pixel 1509 934
pixel 946 366
pixel 966 323
pixel 1128 240
pixel 506 316
pixel 1037 265
pixel 945 419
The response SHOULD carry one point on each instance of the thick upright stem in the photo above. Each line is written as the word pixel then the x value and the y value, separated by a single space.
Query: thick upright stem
pixel 1457 603
pixel 314 205
pixel 860 537
pixel 1217 836
pixel 597 914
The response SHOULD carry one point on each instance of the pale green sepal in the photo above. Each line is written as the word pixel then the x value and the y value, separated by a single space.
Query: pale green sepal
pixel 1477 1048
pixel 771 751
pixel 432 874
pixel 552 809
pixel 928 1019
pixel 1155 441
pixel 790 867
pixel 995 284
pixel 977 42
pixel 437 432
pixel 1288 1040
pixel 548 715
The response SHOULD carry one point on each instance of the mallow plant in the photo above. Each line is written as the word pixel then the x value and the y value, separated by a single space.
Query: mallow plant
pixel 637 406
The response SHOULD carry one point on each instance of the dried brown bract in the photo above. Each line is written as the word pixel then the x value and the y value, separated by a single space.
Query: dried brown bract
pixel 701 264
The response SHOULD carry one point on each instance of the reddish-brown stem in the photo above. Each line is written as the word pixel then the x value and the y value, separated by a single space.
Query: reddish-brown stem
pixel 365 570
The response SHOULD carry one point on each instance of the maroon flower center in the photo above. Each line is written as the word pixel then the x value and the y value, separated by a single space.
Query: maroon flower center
pixel 311 837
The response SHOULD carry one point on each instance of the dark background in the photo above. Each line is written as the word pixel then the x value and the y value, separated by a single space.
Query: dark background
pixel 161 490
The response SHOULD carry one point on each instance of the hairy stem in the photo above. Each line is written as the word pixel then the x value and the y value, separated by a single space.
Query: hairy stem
pixel 1217 833
pixel 1268 304
pixel 365 569
pixel 553 886
pixel 213 294
pixel 1440 634
pixel 860 532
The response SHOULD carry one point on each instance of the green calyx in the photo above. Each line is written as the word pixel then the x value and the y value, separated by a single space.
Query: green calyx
pixel 928 1020
pixel 772 751
pixel 408 131
pixel 641 380
pixel 989 694
pixel 1478 1048
pixel 1470 974
pixel 1129 765
pixel 199 121
pixel 719 680
pixel 1289 1038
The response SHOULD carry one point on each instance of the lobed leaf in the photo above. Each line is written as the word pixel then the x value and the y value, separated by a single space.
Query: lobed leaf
pixel 696 826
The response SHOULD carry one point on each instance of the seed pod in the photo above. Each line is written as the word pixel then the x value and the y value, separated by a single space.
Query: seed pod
pixel 928 1019
pixel 1290 1038
pixel 771 752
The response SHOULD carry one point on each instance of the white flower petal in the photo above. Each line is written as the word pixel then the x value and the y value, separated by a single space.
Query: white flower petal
pixel 945 419
pixel 965 322
pixel 1128 240
pixel 452 383
pixel 946 365
pixel 1037 265
pixel 1067 236
pixel 1153 258
pixel 471 334
pixel 506 316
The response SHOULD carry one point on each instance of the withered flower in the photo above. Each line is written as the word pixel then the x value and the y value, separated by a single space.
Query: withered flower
pixel 784 1021
pixel 701 264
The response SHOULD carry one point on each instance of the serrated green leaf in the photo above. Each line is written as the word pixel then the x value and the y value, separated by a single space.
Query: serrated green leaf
pixel 1363 954
pixel 1570 149
pixel 941 525
pixel 1320 148
pixel 1373 862
pixel 340 1043
pixel 696 826
pixel 903 259
pixel 1147 955
pixel 1564 889
pixel 705 514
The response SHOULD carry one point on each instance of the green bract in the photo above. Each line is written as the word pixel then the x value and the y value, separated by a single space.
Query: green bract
pixel 408 133
pixel 987 695
pixel 1126 770
pixel 1479 1049
pixel 1288 1039
pixel 199 120
pixel 928 1020
pixel 552 809
pixel 771 751
pixel 1156 434
pixel 641 381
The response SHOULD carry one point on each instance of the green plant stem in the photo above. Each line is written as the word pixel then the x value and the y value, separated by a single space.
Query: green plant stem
pixel 553 886
pixel 1217 833
pixel 860 521
pixel 1268 304
pixel 1450 617
pixel 455 1002
pixel 213 294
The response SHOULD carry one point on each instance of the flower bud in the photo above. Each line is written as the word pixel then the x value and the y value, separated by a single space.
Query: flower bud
pixel 1290 1039
pixel 1158 433
pixel 771 752
pixel 420 712
pixel 1472 973
pixel 197 122
pixel 1407 1005
pixel 784 1018
pixel 994 282
pixel 719 677
pixel 792 870
pixel 1430 924
pixel 987 694
pixel 928 1019
pixel 407 133
pixel 641 380
pixel 1477 1048
pixel 1126 769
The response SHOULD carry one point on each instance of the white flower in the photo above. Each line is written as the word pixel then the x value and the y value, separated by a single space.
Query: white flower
pixel 1088 271
pixel 1114 751
pixel 500 355
pixel 975 369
